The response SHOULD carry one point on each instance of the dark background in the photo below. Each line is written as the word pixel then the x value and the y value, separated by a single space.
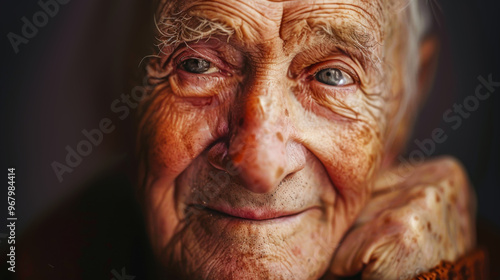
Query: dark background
pixel 66 77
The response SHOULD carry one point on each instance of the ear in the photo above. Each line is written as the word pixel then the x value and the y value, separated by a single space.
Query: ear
pixel 429 53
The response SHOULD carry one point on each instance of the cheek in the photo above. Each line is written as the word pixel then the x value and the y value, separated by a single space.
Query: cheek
pixel 359 153
pixel 171 133
pixel 352 165
pixel 174 130
pixel 162 220
pixel 350 149
pixel 352 157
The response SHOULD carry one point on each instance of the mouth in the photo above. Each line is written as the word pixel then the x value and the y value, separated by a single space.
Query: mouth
pixel 251 214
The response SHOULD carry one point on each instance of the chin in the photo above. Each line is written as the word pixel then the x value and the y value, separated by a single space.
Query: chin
pixel 212 245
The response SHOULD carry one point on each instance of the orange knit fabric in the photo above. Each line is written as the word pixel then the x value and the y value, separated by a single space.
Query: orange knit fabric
pixel 470 267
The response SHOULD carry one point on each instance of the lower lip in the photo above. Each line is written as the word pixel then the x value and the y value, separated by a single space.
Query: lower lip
pixel 237 220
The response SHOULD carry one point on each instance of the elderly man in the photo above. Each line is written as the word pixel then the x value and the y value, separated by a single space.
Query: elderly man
pixel 267 146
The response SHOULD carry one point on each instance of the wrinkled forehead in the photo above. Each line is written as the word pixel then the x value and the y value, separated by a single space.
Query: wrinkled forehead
pixel 263 18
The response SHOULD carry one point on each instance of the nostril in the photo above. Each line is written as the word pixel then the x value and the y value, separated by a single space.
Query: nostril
pixel 217 155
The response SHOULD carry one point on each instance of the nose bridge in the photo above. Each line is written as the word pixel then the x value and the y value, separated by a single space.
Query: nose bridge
pixel 258 143
pixel 263 102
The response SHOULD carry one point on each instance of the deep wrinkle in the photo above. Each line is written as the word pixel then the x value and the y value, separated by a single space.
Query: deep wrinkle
pixel 273 139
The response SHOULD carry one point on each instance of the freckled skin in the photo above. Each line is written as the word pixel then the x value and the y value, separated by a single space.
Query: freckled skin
pixel 411 224
pixel 260 136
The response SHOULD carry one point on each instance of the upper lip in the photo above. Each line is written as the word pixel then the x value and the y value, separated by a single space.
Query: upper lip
pixel 260 213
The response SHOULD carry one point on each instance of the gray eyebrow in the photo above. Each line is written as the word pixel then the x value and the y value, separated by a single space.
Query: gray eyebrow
pixel 357 40
pixel 174 30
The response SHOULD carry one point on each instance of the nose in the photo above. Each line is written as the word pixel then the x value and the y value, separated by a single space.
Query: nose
pixel 262 147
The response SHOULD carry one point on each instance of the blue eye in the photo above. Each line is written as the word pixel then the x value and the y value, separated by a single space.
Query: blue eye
pixel 333 77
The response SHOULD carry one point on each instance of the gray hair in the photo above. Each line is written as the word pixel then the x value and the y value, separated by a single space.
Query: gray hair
pixel 414 20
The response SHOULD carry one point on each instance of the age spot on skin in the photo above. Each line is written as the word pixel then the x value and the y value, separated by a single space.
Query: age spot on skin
pixel 429 227
pixel 279 172
pixel 280 136
pixel 453 198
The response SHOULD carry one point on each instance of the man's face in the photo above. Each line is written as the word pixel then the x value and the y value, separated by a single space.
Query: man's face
pixel 260 142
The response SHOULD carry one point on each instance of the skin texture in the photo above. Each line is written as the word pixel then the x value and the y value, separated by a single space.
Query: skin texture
pixel 412 222
pixel 254 169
